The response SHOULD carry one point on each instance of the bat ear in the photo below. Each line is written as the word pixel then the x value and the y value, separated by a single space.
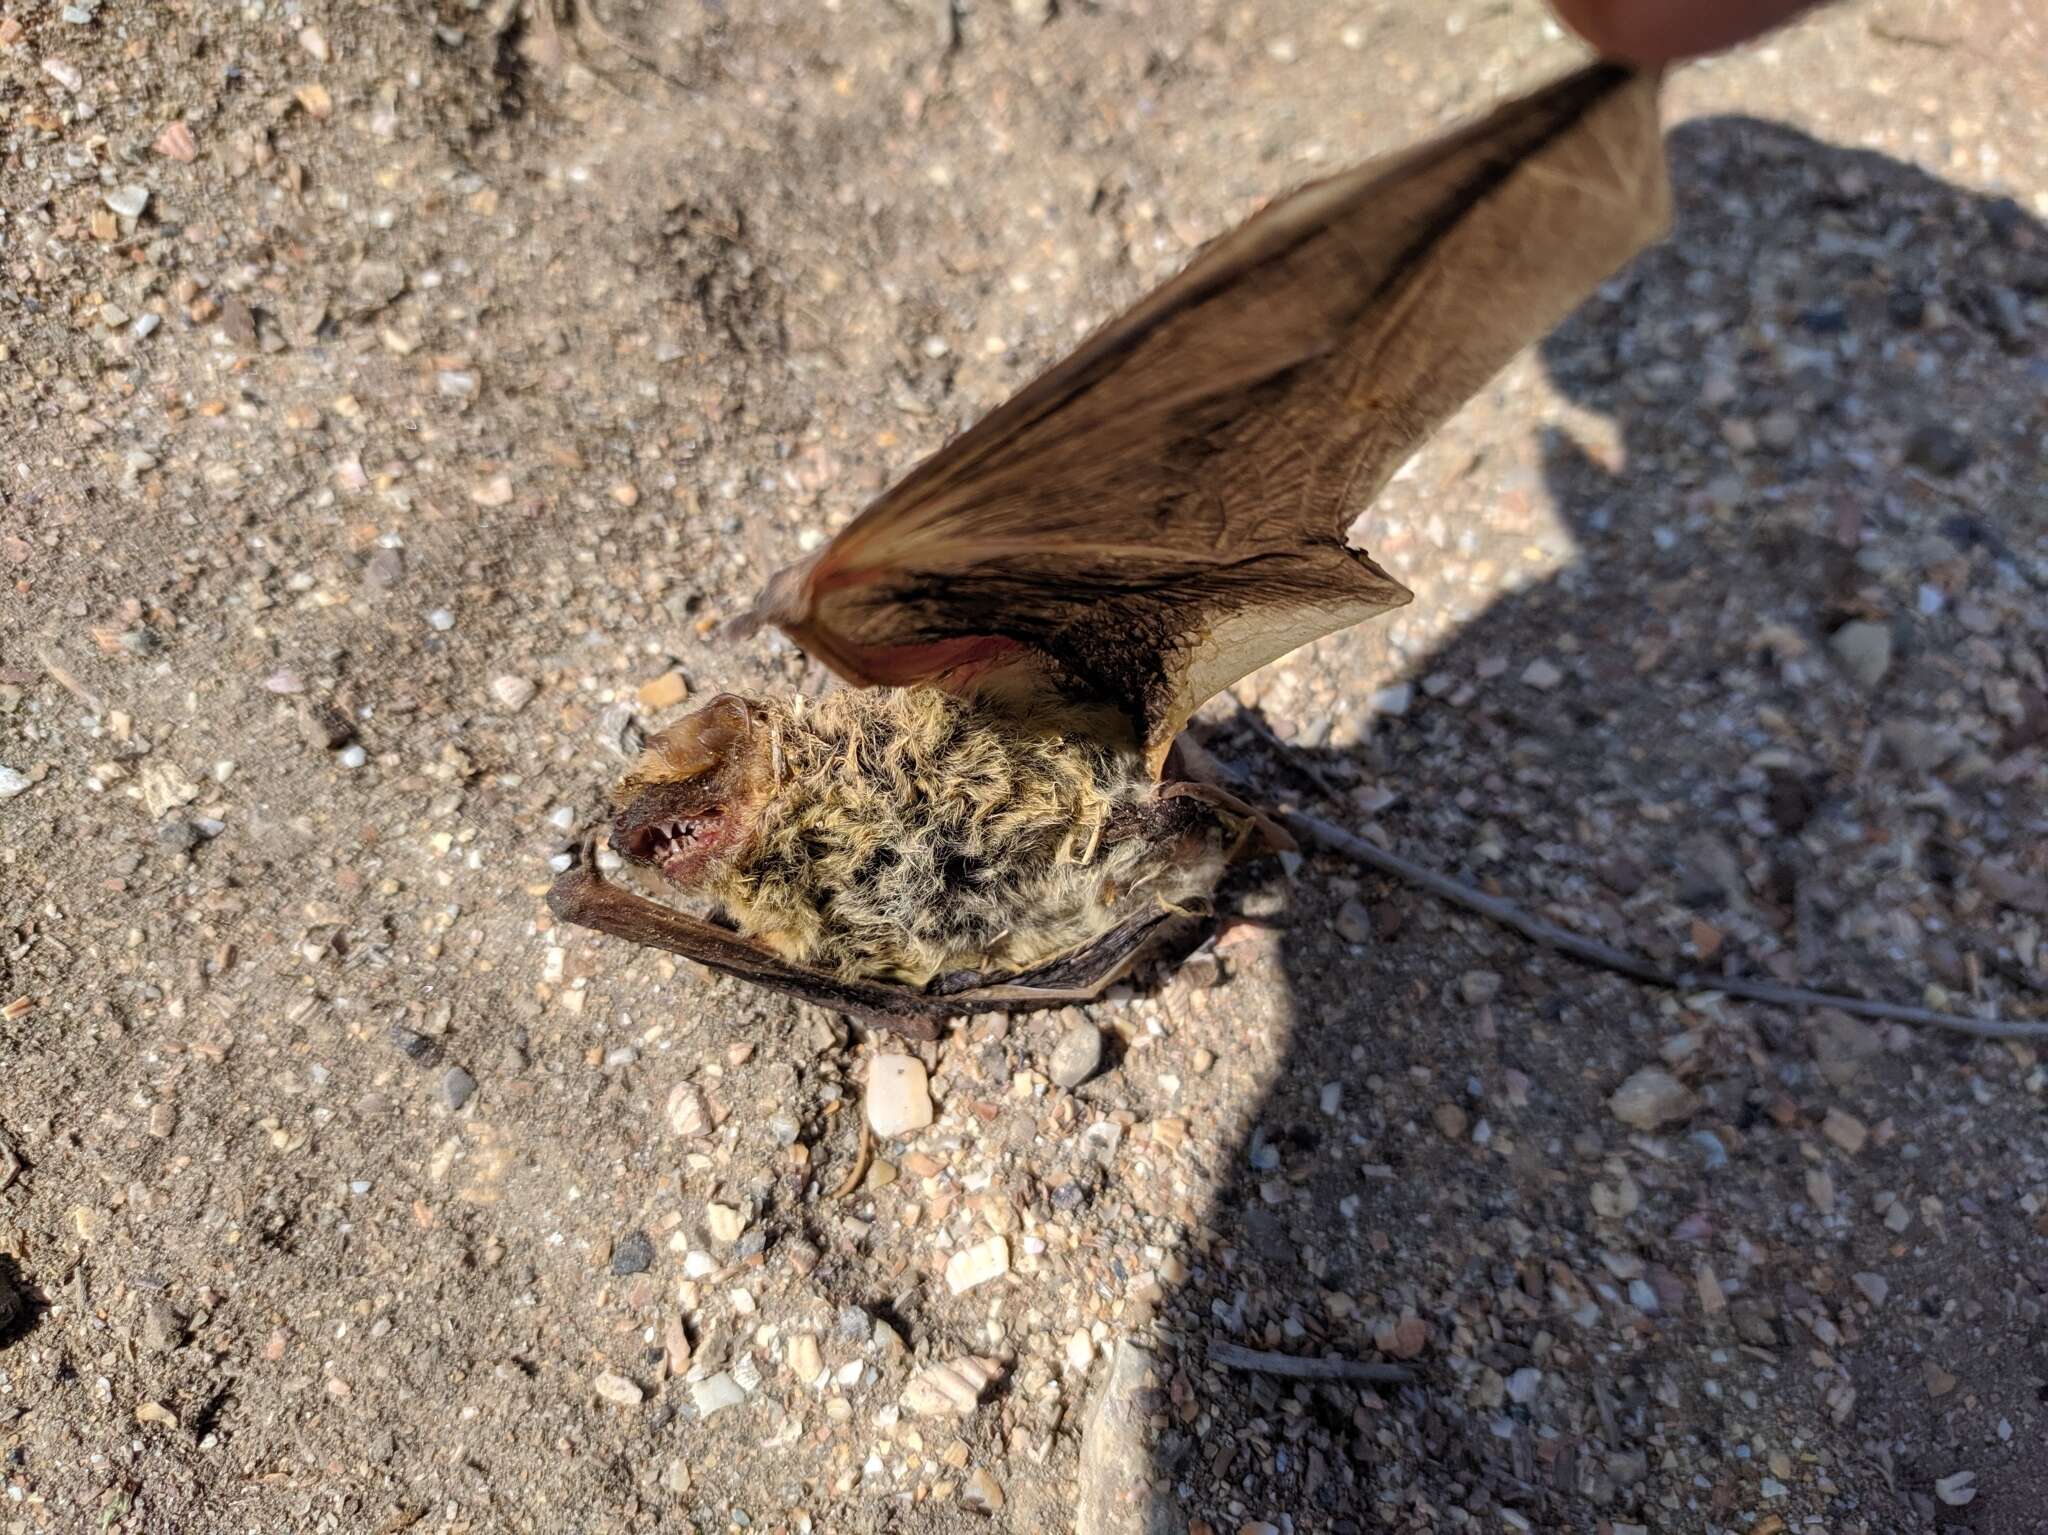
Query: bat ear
pixel 696 744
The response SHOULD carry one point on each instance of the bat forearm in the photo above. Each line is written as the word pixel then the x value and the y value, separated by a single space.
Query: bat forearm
pixel 583 896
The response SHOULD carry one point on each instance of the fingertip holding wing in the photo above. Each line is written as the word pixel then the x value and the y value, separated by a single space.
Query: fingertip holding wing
pixel 1165 510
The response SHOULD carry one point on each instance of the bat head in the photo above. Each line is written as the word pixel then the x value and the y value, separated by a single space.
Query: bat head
pixel 690 804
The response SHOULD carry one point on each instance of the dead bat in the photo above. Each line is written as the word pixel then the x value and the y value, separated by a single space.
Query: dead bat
pixel 989 817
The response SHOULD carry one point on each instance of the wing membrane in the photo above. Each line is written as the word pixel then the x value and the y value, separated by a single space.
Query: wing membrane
pixel 1165 510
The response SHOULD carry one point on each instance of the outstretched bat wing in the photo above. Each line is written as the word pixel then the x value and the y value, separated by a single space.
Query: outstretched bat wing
pixel 1166 510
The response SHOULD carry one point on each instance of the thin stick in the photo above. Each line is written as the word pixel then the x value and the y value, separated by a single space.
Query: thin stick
pixel 1593 952
pixel 1233 1357
pixel 861 1158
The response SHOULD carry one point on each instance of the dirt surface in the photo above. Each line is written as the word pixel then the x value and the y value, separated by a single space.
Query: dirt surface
pixel 377 449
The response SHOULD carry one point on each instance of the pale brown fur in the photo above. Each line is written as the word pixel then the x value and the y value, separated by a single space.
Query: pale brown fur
pixel 913 834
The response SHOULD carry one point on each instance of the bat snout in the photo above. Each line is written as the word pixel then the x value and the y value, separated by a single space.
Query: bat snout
pixel 677 829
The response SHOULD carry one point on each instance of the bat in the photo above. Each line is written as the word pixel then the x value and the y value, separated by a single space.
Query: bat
pixel 993 813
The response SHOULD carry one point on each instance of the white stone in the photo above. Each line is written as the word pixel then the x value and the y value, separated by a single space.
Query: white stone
pixel 983 1493
pixel 513 693
pixel 953 1387
pixel 1652 1098
pixel 978 1264
pixel 1394 700
pixel 617 1388
pixel 1080 1352
pixel 165 787
pixel 898 1099
pixel 715 1393
pixel 805 1360
pixel 1958 1489
pixel 687 1115
pixel 1864 650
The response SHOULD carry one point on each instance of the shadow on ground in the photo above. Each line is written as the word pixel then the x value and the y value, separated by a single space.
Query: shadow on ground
pixel 1826 412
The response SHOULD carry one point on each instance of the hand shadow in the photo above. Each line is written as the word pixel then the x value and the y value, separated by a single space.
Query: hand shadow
pixel 1826 391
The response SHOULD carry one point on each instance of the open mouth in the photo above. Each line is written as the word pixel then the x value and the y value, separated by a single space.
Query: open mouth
pixel 667 844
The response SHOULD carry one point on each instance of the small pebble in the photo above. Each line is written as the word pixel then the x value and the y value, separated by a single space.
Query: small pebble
pixel 1077 1056
pixel 806 1362
pixel 724 1223
pixel 352 757
pixel 1845 1130
pixel 1478 986
pixel 457 1087
pixel 898 1098
pixel 1864 650
pixel 1542 674
pixel 983 1493
pixel 324 725
pixel 664 692
pixel 953 1388
pixel 617 1388
pixel 687 1115
pixel 1080 1351
pixel 413 1046
pixel 1652 1098
pixel 163 1329
pixel 512 693
pixel 633 1254
pixel 713 1394
pixel 1354 922
pixel 1958 1489
pixel 176 142
pixel 128 201
pixel 12 783
pixel 977 1265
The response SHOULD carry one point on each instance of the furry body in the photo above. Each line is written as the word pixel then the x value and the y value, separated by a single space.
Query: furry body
pixel 912 834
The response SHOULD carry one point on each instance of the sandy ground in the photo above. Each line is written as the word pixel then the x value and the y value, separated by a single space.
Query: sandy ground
pixel 391 400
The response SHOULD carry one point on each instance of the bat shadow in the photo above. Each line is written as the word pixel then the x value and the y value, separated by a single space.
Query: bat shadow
pixel 1805 430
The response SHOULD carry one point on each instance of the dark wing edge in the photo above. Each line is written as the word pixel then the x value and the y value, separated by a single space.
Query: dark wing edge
pixel 1165 510
pixel 582 896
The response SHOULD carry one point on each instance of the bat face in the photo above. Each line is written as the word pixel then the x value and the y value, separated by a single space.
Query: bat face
pixel 691 803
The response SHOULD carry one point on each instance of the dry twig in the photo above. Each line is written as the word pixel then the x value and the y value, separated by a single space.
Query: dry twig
pixel 1232 1356
pixel 861 1159
pixel 1593 952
